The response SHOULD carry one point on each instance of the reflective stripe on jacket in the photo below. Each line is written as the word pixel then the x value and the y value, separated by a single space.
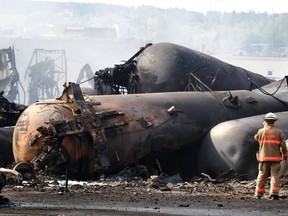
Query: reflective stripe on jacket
pixel 271 144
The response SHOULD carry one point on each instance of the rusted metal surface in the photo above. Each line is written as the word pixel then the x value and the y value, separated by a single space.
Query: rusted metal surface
pixel 101 134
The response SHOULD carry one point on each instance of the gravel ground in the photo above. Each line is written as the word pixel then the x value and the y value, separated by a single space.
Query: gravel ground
pixel 120 195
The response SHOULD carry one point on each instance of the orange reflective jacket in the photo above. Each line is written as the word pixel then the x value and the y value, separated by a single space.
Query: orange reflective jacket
pixel 271 144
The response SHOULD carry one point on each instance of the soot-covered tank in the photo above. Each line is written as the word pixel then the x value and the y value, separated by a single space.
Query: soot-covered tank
pixel 103 134
pixel 168 67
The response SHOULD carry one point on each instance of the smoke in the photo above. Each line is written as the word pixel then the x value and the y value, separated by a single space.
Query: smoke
pixel 30 25
pixel 102 35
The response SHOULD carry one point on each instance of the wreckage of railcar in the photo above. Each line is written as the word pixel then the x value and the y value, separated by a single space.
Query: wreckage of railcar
pixel 154 68
pixel 9 114
pixel 102 134
pixel 9 79
pixel 168 67
pixel 236 150
pixel 9 110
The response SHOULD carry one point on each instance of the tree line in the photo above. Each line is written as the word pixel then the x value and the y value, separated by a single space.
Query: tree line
pixel 245 33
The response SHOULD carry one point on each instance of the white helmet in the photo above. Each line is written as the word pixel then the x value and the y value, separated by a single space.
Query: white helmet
pixel 270 117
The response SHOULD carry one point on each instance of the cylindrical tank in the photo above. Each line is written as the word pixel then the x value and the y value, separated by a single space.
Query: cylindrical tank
pixel 131 126
pixel 231 146
pixel 165 67
pixel 9 112
pixel 6 154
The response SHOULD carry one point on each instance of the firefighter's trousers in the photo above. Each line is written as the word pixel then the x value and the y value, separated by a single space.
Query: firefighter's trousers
pixel 263 171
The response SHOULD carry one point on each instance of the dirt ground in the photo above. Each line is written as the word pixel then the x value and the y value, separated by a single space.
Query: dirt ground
pixel 119 195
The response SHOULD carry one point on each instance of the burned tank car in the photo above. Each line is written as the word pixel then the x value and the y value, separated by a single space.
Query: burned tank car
pixel 6 153
pixel 165 67
pixel 106 133
pixel 9 111
pixel 231 146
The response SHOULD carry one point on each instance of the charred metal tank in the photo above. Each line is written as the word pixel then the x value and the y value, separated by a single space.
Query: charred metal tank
pixel 9 114
pixel 9 111
pixel 6 153
pixel 102 134
pixel 232 143
pixel 232 146
pixel 168 67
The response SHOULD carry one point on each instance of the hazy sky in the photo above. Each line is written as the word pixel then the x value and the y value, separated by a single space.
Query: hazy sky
pixel 270 6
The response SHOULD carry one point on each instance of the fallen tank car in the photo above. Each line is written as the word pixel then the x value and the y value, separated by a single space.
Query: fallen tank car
pixel 168 67
pixel 231 143
pixel 9 114
pixel 235 151
pixel 87 135
pixel 9 111
pixel 6 153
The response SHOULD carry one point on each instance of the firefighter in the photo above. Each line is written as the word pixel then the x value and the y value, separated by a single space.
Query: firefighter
pixel 272 150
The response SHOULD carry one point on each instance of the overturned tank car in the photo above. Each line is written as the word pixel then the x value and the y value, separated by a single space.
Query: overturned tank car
pixel 168 67
pixel 9 111
pixel 89 135
pixel 9 114
pixel 231 143
pixel 6 153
